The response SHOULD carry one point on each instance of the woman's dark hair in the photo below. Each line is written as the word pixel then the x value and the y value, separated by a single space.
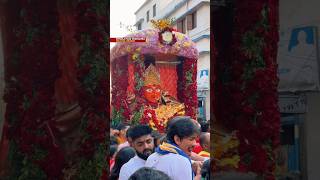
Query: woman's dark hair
pixel 182 126
pixel 122 157
pixel 205 170
pixel 146 173
pixel 138 131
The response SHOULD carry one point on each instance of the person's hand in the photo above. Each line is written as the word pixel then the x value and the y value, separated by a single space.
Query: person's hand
pixel 196 165
pixel 114 132
pixel 198 171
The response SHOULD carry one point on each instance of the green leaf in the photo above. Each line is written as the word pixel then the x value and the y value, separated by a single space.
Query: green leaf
pixel 136 117
pixel 31 171
pixel 117 117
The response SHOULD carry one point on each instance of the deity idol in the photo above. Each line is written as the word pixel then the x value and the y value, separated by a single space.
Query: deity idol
pixel 159 107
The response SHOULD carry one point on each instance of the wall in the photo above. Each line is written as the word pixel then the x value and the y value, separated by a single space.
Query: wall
pixel 203 44
pixel 142 13
pixel 295 13
pixel 204 63
pixel 203 22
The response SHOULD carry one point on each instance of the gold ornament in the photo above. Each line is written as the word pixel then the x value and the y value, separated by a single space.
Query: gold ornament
pixel 165 112
pixel 162 23
pixel 151 76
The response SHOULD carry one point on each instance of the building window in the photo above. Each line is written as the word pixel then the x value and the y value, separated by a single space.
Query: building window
pixel 192 21
pixel 147 16
pixel 139 26
pixel 181 26
pixel 154 11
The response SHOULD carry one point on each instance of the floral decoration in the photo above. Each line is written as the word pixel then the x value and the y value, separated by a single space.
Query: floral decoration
pixel 247 86
pixel 31 72
pixel 149 117
pixel 92 37
pixel 30 78
pixel 133 54
pixel 167 37
pixel 189 87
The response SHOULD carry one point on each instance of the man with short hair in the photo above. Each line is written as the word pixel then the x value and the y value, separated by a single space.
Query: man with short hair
pixel 146 173
pixel 173 157
pixel 142 141
pixel 205 126
pixel 205 144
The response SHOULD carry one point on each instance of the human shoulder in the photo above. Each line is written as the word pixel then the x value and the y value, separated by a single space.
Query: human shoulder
pixel 130 167
pixel 177 161
pixel 180 167
pixel 173 159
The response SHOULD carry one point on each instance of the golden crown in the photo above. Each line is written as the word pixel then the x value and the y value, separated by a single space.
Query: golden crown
pixel 151 76
pixel 162 23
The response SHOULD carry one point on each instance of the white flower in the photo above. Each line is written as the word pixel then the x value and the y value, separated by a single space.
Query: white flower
pixel 167 36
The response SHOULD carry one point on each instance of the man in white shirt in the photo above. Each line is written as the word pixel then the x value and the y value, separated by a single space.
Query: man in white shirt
pixel 142 141
pixel 173 157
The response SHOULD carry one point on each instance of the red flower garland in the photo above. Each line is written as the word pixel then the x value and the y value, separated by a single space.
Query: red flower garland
pixel 189 85
pixel 119 89
pixel 91 27
pixel 251 82
pixel 29 92
pixel 149 115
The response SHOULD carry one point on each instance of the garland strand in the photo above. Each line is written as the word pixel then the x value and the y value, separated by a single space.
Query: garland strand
pixel 92 74
pixel 250 79
pixel 32 71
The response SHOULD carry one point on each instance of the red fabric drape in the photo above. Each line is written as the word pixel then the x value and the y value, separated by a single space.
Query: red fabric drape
pixel 168 77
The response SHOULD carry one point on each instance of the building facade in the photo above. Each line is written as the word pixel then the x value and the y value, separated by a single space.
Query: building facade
pixel 191 17
pixel 299 102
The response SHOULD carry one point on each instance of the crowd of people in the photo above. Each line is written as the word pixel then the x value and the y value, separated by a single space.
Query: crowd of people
pixel 181 153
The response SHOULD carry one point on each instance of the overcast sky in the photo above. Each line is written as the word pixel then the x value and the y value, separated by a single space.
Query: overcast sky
pixel 122 11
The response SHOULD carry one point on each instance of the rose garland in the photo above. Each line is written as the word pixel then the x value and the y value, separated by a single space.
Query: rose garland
pixel 92 37
pixel 149 117
pixel 119 89
pixel 189 87
pixel 29 91
pixel 250 80
pixel 139 67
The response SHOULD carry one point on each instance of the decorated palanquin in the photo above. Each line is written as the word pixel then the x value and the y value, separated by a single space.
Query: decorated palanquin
pixel 154 81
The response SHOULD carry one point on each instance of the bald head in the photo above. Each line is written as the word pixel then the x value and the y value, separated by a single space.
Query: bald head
pixel 205 141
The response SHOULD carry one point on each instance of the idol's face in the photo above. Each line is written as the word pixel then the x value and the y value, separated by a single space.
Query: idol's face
pixel 152 93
